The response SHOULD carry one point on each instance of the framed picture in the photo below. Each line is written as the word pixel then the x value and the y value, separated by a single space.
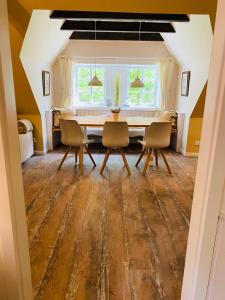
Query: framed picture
pixel 185 82
pixel 46 83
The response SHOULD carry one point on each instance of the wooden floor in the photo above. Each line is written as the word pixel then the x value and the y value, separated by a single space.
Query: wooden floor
pixel 107 237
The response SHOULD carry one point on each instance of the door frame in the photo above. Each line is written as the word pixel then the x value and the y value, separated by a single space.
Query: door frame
pixel 15 275
pixel 14 252
pixel 209 184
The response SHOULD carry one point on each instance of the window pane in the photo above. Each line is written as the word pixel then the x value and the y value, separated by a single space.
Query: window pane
pixel 134 93
pixel 134 96
pixel 144 95
pixel 84 96
pixel 98 94
pixel 84 75
pixel 98 91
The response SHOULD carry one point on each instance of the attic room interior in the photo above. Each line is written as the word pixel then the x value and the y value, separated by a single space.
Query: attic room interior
pixel 110 108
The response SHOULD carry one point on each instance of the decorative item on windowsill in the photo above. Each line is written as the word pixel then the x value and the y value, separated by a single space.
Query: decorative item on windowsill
pixel 116 109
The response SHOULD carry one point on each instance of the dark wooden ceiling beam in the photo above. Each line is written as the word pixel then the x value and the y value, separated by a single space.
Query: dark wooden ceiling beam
pixel 122 16
pixel 117 26
pixel 119 36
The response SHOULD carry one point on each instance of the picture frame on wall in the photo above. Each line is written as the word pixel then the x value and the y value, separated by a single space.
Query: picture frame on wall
pixel 46 83
pixel 185 83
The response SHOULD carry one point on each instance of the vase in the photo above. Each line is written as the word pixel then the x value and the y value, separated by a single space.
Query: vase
pixel 116 116
pixel 115 112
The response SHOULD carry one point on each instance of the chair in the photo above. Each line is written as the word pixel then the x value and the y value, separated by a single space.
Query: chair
pixel 73 136
pixel 165 116
pixel 157 137
pixel 115 136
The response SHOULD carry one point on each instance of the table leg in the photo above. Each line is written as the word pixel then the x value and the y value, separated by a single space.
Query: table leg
pixel 81 160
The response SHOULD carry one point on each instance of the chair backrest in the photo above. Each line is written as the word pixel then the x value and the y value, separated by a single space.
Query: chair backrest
pixel 165 116
pixel 71 133
pixel 115 134
pixel 157 135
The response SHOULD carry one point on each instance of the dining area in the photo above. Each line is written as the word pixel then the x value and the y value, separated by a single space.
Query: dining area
pixel 115 138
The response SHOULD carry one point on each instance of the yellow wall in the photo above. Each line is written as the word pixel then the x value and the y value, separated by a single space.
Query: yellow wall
pixel 195 124
pixel 194 134
pixel 25 102
pixel 160 6
pixel 20 11
pixel 200 105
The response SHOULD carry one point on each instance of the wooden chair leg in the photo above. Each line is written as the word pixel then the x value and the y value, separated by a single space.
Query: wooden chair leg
pixel 147 161
pixel 125 161
pixel 105 160
pixel 91 157
pixel 76 153
pixel 140 157
pixel 156 157
pixel 64 157
pixel 81 160
pixel 166 162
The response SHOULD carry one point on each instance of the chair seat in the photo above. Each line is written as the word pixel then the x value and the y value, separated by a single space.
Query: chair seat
pixel 158 146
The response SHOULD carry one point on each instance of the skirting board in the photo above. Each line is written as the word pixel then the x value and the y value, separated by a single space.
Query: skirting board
pixel 39 152
pixel 193 154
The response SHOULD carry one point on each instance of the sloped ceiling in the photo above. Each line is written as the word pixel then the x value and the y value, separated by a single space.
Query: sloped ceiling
pixel 191 46
pixel 42 43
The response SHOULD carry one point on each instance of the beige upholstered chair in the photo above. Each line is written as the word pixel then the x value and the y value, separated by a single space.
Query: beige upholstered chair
pixel 115 136
pixel 165 115
pixel 73 136
pixel 157 137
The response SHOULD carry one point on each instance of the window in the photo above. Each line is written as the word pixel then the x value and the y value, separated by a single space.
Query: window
pixel 146 96
pixel 107 73
pixel 85 93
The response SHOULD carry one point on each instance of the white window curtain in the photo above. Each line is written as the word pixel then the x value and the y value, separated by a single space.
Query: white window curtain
pixel 166 81
pixel 66 70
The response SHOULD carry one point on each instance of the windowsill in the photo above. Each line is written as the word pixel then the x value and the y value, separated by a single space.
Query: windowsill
pixel 103 107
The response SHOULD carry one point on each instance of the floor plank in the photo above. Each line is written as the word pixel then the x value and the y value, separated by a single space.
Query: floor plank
pixel 108 237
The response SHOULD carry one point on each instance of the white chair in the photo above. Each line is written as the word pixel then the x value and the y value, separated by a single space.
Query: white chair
pixel 165 116
pixel 115 136
pixel 157 137
pixel 73 136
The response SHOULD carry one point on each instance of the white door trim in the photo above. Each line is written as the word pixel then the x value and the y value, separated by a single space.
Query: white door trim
pixel 207 195
pixel 15 275
pixel 210 173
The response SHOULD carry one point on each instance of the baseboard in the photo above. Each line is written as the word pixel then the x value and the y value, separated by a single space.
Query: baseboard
pixel 39 152
pixel 193 154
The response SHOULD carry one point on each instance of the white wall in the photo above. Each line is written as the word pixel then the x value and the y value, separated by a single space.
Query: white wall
pixel 42 43
pixel 114 52
pixel 191 45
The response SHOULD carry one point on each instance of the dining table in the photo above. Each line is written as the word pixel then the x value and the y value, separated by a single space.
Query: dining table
pixel 99 121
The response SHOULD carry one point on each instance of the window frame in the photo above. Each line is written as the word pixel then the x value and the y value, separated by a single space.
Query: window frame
pixel 140 69
pixel 124 87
